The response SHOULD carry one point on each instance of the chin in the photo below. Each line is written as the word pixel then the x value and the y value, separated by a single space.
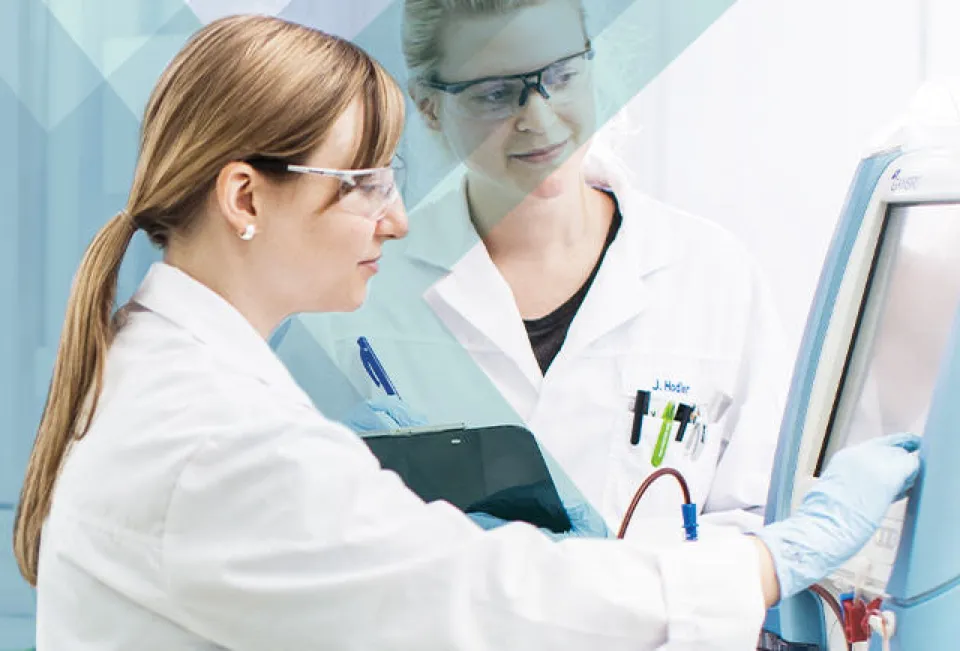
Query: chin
pixel 551 187
pixel 553 182
pixel 344 302
pixel 356 299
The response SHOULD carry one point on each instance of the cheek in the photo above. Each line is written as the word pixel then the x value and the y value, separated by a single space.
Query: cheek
pixel 581 119
pixel 475 142
pixel 342 239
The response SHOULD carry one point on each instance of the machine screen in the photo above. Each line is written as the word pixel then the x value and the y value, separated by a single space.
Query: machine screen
pixel 904 324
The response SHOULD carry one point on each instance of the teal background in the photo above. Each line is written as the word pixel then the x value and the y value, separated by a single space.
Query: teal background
pixel 74 78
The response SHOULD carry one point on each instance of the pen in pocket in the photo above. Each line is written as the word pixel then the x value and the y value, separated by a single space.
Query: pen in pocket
pixel 684 412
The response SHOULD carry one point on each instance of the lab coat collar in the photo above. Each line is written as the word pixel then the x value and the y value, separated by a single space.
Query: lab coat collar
pixel 208 317
pixel 646 243
pixel 441 232
pixel 442 235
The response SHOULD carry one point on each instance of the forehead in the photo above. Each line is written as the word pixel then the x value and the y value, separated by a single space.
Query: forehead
pixel 343 140
pixel 510 43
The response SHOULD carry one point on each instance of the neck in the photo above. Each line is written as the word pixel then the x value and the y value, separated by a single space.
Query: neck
pixel 514 224
pixel 220 266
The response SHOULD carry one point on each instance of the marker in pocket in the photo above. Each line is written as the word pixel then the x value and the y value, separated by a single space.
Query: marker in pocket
pixel 684 412
pixel 660 450
pixel 642 405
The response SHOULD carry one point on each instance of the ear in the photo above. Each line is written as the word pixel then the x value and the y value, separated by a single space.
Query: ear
pixel 427 103
pixel 235 188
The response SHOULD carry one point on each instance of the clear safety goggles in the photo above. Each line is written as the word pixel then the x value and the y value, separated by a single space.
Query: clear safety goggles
pixel 499 98
pixel 367 193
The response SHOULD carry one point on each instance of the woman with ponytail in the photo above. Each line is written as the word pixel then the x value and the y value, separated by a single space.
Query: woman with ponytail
pixel 77 377
pixel 184 492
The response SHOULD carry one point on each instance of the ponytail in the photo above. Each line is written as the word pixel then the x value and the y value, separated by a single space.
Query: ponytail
pixel 76 384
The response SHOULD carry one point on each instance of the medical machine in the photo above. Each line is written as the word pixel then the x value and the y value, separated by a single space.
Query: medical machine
pixel 881 355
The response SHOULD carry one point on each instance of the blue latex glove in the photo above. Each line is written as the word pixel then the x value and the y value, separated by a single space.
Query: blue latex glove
pixel 487 521
pixel 383 413
pixel 842 511
pixel 585 521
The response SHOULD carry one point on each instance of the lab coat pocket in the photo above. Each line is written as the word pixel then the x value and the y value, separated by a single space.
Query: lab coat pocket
pixel 694 453
pixel 694 456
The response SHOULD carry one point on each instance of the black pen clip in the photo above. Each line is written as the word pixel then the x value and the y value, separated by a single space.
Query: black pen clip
pixel 640 407
pixel 684 412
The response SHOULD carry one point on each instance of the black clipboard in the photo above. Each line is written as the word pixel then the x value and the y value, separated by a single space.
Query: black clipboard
pixel 498 470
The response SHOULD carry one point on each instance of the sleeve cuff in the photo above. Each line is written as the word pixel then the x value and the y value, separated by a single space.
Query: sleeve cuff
pixel 713 594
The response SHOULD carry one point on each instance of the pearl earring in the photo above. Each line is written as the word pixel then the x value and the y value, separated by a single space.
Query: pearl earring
pixel 248 233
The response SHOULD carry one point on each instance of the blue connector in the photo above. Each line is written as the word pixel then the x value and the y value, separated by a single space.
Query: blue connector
pixel 689 521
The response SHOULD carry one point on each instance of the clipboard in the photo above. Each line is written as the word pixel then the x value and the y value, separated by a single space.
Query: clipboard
pixel 498 470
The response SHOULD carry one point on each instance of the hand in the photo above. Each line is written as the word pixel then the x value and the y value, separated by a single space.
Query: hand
pixel 383 413
pixel 585 522
pixel 842 511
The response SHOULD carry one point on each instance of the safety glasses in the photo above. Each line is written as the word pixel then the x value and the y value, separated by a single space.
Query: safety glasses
pixel 499 98
pixel 363 192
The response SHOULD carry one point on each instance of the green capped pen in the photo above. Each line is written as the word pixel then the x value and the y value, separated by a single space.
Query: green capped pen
pixel 660 450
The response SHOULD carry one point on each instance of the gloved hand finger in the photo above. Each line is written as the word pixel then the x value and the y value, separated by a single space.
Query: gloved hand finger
pixel 362 419
pixel 390 419
pixel 906 441
pixel 900 460
pixel 397 411
pixel 586 522
pixel 908 465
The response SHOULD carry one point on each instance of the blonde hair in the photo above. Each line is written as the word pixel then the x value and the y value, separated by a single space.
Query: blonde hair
pixel 423 20
pixel 242 87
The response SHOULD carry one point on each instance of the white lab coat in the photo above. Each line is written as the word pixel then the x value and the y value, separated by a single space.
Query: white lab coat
pixel 212 507
pixel 677 301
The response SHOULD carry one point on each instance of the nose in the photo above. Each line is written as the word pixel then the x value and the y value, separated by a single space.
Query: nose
pixel 394 224
pixel 536 115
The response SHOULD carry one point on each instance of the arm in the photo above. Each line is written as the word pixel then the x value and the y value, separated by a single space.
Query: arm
pixel 768 575
pixel 299 540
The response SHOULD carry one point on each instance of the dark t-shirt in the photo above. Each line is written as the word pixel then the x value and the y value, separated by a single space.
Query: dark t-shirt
pixel 548 332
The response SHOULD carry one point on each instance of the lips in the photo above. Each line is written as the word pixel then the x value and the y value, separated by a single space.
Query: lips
pixel 541 154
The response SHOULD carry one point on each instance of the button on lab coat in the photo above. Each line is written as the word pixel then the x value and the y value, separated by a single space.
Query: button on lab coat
pixel 211 506
pixel 678 308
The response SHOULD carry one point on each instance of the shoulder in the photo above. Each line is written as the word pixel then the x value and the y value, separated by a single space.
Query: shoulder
pixel 688 245
pixel 691 231
pixel 693 236
pixel 156 365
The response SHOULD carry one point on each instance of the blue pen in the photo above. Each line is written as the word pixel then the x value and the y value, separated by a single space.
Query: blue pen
pixel 374 368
